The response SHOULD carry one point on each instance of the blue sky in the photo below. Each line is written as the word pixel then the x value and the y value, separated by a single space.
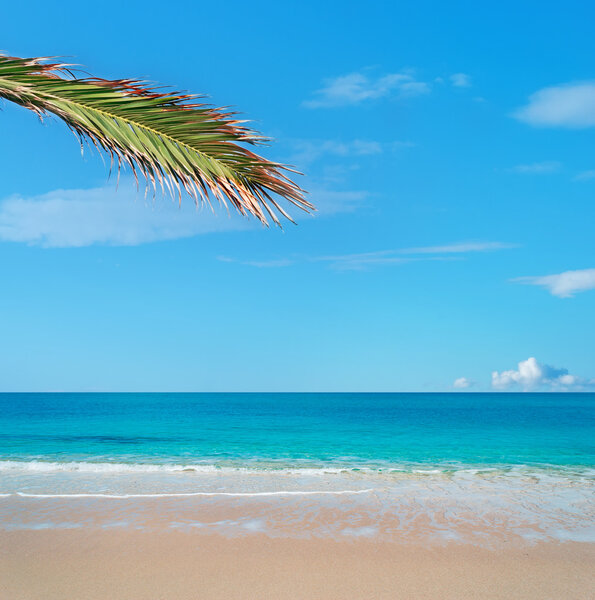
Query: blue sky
pixel 449 150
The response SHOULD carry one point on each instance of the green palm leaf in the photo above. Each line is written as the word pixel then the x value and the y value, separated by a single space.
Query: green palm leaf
pixel 171 139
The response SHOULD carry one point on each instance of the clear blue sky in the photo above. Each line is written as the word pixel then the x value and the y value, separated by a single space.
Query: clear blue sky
pixel 449 148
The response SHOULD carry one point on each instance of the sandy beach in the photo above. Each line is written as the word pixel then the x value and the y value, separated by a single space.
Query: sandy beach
pixel 127 564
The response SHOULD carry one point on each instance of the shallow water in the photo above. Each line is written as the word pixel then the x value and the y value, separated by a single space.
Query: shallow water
pixel 446 466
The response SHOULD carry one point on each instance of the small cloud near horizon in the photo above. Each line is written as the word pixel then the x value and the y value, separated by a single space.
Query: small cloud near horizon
pixel 462 383
pixel 563 285
pixel 570 105
pixel 531 375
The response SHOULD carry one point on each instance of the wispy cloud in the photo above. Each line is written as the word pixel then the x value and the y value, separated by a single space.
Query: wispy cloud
pixel 569 105
pixel 259 264
pixel 365 260
pixel 460 80
pixel 362 261
pixel 339 262
pixel 123 217
pixel 531 375
pixel 404 255
pixel 413 88
pixel 74 218
pixel 330 202
pixel 307 151
pixel 459 248
pixel 538 168
pixel 563 285
pixel 585 175
pixel 356 88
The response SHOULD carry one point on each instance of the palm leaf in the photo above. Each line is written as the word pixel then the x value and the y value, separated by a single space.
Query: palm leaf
pixel 171 139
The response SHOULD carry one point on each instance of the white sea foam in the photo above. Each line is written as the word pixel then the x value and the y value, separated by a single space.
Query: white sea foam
pixel 115 467
pixel 426 471
pixel 203 494
pixel 100 467
pixel 41 466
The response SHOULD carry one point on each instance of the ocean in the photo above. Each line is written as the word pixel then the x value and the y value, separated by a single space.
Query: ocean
pixel 462 460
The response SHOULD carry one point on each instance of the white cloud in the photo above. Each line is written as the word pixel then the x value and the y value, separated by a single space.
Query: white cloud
pixel 563 285
pixel 539 168
pixel 531 375
pixel 460 80
pixel 585 175
pixel 74 218
pixel 569 105
pixel 355 88
pixel 462 383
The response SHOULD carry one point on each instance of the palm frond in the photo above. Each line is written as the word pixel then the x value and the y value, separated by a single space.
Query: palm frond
pixel 172 139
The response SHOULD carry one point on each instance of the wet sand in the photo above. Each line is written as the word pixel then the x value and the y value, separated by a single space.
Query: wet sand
pixel 128 564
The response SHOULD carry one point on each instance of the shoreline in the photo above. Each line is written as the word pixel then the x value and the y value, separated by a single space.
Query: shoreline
pixel 91 564
pixel 482 509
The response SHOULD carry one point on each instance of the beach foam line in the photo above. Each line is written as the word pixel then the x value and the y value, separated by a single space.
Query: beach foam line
pixel 41 466
pixel 98 467
pixel 257 469
pixel 207 494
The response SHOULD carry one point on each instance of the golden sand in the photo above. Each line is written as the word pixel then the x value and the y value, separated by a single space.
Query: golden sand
pixel 94 564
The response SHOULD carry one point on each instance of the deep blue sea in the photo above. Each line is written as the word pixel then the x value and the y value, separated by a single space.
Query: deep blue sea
pixel 268 431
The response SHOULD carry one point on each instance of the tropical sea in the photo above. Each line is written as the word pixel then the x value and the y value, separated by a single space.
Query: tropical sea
pixel 441 466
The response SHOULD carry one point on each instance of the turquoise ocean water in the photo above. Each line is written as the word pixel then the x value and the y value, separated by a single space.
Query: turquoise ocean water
pixel 471 467
pixel 274 431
